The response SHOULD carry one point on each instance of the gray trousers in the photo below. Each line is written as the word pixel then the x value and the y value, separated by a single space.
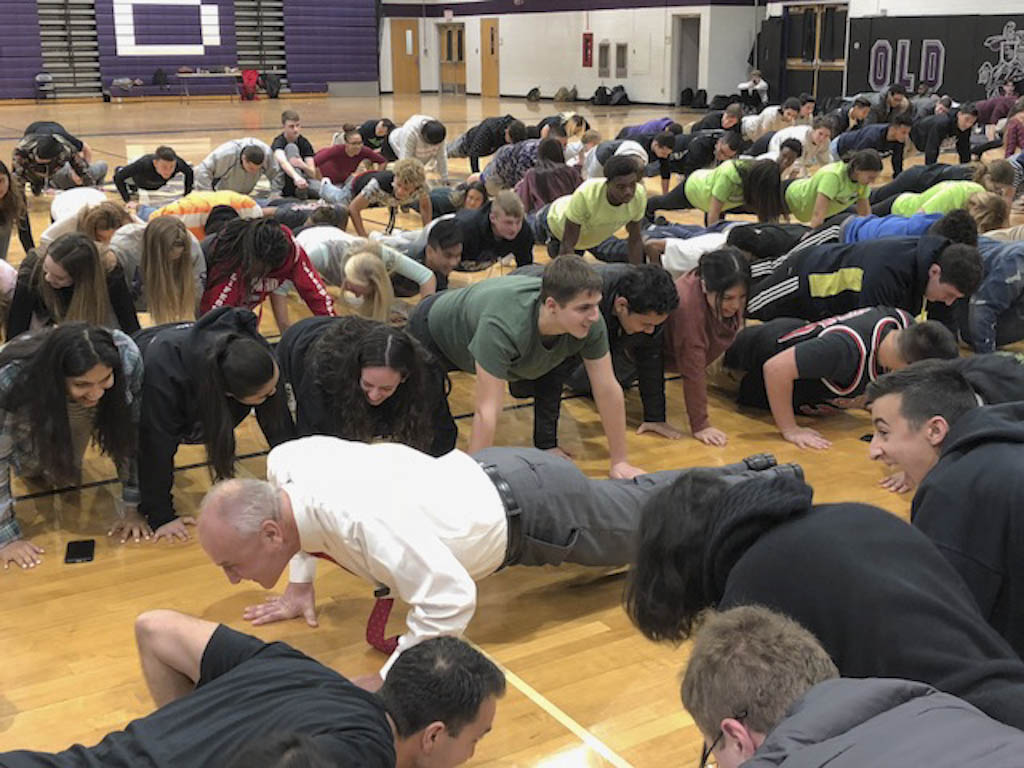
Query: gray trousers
pixel 62 178
pixel 568 517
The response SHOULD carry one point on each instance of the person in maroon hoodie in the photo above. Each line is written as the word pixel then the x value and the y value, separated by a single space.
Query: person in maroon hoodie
pixel 251 258
pixel 710 314
pixel 549 179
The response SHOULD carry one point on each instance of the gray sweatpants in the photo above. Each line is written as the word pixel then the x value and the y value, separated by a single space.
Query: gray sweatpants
pixel 568 517
pixel 62 178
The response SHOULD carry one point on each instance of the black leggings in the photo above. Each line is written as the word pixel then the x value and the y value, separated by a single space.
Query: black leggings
pixel 918 179
pixel 760 146
pixel 674 200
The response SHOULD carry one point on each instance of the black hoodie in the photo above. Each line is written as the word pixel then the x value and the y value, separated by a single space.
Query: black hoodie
pixel 971 504
pixel 311 412
pixel 997 377
pixel 875 592
pixel 173 355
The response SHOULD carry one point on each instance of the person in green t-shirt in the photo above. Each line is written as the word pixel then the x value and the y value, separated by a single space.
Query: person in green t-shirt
pixel 596 211
pixel 752 184
pixel 522 328
pixel 834 188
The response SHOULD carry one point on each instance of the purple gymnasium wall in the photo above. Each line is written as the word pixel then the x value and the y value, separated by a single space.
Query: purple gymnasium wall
pixel 137 37
pixel 20 54
pixel 332 41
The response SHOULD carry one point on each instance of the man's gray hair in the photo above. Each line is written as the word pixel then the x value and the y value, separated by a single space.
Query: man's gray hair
pixel 244 503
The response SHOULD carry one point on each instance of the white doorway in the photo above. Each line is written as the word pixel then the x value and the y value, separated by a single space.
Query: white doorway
pixel 685 54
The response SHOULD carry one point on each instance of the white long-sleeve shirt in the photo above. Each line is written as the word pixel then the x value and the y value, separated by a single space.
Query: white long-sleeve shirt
pixel 407 141
pixel 761 86
pixel 427 528
pixel 813 155
pixel 767 120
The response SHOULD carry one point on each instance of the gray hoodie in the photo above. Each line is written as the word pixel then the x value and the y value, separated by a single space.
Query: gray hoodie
pixel 849 723
pixel 222 168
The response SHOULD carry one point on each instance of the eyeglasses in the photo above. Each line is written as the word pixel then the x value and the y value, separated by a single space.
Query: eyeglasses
pixel 705 753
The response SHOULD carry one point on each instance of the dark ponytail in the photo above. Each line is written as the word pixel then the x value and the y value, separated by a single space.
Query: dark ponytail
pixel 762 188
pixel 862 160
pixel 236 366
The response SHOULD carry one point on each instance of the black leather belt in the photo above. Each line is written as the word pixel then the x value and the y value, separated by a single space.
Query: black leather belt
pixel 513 514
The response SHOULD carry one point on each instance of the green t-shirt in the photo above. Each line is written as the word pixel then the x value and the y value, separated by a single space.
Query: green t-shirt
pixel 494 323
pixel 830 180
pixel 723 183
pixel 588 206
pixel 944 197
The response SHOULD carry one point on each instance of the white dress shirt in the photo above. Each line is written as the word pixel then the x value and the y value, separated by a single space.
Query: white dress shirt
pixel 425 527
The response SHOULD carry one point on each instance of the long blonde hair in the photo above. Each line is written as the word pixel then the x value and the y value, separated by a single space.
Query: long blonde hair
pixel 365 267
pixel 90 301
pixel 167 280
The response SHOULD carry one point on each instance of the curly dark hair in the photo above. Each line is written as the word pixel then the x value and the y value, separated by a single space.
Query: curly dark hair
pixel 648 288
pixel 38 394
pixel 337 359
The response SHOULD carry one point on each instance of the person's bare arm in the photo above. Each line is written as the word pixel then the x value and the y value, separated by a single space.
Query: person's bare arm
pixel 714 210
pixel 635 243
pixel 355 215
pixel 171 647
pixel 612 407
pixel 569 237
pixel 820 211
pixel 279 306
pixel 487 397
pixel 780 372
pixel 863 207
pixel 426 208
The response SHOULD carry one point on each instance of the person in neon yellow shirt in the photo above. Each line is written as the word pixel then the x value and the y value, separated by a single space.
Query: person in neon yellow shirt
pixel 944 197
pixel 752 184
pixel 834 188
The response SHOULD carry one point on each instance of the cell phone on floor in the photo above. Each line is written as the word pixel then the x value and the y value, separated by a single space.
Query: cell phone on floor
pixel 80 551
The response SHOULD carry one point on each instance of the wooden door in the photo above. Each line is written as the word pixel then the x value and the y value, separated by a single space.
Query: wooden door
pixel 489 44
pixel 452 45
pixel 815 40
pixel 405 56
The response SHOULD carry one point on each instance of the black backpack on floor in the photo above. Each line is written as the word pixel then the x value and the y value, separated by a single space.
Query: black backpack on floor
pixel 686 97
pixel 602 97
pixel 700 100
pixel 619 97
pixel 271 84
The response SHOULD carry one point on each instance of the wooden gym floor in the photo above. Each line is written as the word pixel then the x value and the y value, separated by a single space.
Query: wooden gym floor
pixel 585 689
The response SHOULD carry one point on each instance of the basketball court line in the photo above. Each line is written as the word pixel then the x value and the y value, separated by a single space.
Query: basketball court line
pixel 556 713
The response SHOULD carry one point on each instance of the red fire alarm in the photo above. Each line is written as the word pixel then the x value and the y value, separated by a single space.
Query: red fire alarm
pixel 588 49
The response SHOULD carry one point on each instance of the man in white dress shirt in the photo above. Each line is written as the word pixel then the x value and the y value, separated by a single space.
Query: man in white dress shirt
pixel 425 528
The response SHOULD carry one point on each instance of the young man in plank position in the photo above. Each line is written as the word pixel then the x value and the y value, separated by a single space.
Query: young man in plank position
pixel 428 547
pixel 521 328
pixel 792 366
pixel 219 692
